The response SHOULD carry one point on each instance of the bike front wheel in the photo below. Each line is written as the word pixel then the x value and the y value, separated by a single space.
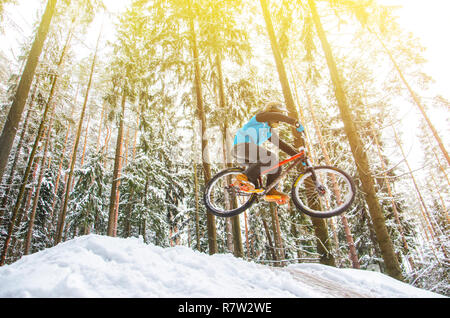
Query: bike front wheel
pixel 223 199
pixel 330 194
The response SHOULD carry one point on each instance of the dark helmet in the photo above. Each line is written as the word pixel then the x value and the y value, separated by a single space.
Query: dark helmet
pixel 276 107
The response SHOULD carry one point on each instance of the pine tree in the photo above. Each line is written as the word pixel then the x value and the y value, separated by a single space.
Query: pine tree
pixel 21 95
pixel 48 109
pixel 68 184
pixel 392 265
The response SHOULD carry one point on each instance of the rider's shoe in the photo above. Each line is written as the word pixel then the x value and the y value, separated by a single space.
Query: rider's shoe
pixel 241 181
pixel 277 197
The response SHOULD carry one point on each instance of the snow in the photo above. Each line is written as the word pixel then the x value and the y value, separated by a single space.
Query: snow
pixel 106 267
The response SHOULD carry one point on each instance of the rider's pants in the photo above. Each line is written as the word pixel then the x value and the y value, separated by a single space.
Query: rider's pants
pixel 257 159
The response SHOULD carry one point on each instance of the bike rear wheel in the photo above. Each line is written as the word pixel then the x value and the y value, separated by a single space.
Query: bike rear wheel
pixel 331 195
pixel 223 199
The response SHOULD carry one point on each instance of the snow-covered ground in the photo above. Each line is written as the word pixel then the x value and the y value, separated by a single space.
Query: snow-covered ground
pixel 100 266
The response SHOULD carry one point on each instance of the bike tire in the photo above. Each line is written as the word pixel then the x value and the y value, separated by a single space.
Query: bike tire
pixel 301 180
pixel 225 213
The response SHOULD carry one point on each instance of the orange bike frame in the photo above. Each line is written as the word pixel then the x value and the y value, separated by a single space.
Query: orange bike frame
pixel 295 158
pixel 299 155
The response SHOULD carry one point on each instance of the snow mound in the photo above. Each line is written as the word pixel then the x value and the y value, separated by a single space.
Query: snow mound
pixel 101 266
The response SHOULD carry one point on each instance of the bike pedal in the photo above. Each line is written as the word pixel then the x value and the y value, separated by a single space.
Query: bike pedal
pixel 256 191
pixel 282 202
pixel 273 199
pixel 278 200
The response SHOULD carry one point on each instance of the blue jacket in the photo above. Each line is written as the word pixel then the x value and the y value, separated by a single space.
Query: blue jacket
pixel 253 132
pixel 257 131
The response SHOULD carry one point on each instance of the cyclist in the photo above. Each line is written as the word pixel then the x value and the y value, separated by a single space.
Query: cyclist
pixel 248 151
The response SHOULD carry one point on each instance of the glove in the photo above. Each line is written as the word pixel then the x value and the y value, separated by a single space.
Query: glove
pixel 300 127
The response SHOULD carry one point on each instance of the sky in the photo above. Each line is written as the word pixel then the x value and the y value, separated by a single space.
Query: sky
pixel 429 21
pixel 426 19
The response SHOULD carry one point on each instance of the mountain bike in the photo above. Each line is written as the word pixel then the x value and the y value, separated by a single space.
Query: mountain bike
pixel 321 191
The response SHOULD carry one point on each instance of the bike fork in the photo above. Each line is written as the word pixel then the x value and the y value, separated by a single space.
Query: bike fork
pixel 320 188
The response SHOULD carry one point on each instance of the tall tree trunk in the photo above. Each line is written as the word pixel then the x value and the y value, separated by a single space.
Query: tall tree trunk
pixel 115 194
pixel 235 223
pixel 16 215
pixel 38 187
pixel 269 240
pixel 106 145
pixel 444 208
pixel 228 235
pixel 10 179
pixel 389 190
pixel 48 108
pixel 303 120
pixel 51 218
pixel 362 162
pixel 197 212
pixel 320 227
pixel 246 235
pixel 441 167
pixel 100 126
pixel 21 95
pixel 142 224
pixel 85 141
pixel 62 216
pixel 353 256
pixel 52 213
pixel 140 109
pixel 16 242
pixel 424 209
pixel 210 219
pixel 238 248
pixel 133 155
pixel 276 233
pixel 58 176
pixel 295 233
pixel 26 201
pixel 129 210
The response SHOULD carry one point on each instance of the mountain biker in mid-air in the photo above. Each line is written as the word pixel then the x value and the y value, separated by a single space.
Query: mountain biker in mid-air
pixel 248 150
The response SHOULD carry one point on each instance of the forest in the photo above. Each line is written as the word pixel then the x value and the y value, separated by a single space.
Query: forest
pixel 113 121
